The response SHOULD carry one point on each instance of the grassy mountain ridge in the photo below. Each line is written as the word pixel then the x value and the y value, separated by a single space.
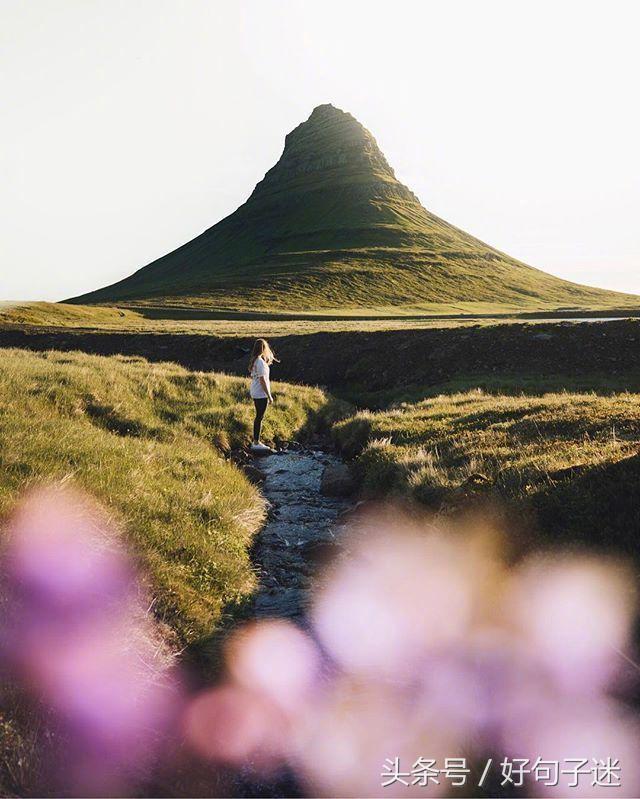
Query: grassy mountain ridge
pixel 330 227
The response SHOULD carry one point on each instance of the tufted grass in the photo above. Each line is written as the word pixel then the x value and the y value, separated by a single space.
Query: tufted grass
pixel 148 440
pixel 572 458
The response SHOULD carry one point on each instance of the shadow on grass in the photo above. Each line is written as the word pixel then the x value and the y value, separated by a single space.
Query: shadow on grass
pixel 511 384
pixel 194 313
pixel 597 507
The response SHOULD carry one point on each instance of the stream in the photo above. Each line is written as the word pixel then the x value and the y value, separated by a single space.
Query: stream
pixel 301 531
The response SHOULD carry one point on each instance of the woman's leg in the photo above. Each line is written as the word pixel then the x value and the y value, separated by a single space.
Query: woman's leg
pixel 261 407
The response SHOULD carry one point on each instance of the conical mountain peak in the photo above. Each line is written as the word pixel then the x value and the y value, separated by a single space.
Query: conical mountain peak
pixel 330 227
pixel 328 110
pixel 326 116
pixel 330 145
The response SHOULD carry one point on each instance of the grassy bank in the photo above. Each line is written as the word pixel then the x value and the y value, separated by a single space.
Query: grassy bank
pixel 147 441
pixel 175 319
pixel 571 458
pixel 373 368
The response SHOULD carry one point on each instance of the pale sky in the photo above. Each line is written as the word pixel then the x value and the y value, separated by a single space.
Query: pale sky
pixel 130 126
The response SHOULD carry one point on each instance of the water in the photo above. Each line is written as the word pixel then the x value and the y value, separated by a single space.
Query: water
pixel 578 319
pixel 302 528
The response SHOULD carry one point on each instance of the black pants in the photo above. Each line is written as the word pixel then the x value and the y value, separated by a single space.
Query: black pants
pixel 261 407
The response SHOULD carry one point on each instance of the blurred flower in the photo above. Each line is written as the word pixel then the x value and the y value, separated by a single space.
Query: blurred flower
pixel 573 615
pixel 387 606
pixel 236 727
pixel 276 659
pixel 76 637
pixel 424 643
pixel 422 646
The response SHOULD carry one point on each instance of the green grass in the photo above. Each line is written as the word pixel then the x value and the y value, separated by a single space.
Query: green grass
pixel 516 440
pixel 506 384
pixel 147 441
pixel 523 449
pixel 170 319
pixel 62 315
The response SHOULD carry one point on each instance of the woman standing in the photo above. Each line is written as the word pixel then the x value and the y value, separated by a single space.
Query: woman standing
pixel 261 359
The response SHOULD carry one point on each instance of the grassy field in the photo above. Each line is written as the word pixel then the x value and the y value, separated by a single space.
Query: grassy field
pixel 147 441
pixel 183 320
pixel 141 319
pixel 550 441
pixel 552 404
pixel 571 458
pixel 374 367
pixel 53 314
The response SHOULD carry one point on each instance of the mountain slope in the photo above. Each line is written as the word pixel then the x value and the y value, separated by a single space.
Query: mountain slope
pixel 330 227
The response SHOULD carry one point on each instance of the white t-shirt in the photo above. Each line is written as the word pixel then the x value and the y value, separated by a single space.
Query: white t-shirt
pixel 259 369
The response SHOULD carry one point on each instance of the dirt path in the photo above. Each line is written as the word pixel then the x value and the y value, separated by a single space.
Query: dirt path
pixel 303 526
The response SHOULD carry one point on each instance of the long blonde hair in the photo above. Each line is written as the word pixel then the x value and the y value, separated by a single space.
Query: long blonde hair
pixel 261 349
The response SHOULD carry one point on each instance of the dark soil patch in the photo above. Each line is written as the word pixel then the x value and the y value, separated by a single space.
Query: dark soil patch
pixel 376 367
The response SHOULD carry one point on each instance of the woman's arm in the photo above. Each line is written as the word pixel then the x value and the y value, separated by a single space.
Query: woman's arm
pixel 266 387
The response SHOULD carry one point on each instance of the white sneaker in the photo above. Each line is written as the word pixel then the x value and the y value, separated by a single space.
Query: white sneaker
pixel 263 449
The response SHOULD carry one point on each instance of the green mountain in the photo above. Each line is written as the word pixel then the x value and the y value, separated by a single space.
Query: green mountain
pixel 330 227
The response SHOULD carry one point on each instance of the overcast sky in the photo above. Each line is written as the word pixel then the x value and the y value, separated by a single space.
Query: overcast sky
pixel 129 126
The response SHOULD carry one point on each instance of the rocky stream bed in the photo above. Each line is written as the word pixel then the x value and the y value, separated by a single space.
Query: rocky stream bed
pixel 306 492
